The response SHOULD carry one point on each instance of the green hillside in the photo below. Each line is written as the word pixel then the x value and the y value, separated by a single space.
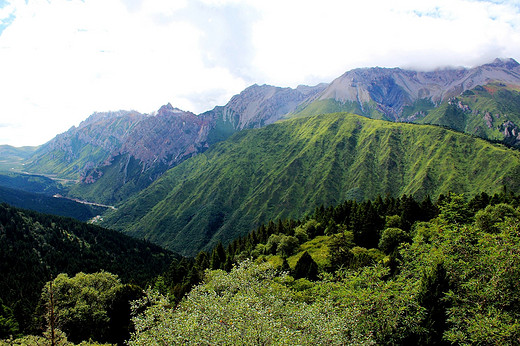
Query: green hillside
pixel 13 157
pixel 30 183
pixel 48 204
pixel 119 180
pixel 66 163
pixel 289 168
pixel 333 106
pixel 491 111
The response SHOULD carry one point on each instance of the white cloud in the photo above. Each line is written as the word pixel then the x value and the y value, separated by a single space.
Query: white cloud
pixel 60 60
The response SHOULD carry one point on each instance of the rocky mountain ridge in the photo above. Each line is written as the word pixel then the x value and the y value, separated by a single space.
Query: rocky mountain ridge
pixel 389 90
pixel 115 154
pixel 125 151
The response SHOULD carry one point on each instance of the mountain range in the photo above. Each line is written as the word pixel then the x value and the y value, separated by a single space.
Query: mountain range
pixel 288 168
pixel 187 181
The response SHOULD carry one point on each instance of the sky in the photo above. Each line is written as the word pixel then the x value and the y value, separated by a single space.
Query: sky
pixel 62 60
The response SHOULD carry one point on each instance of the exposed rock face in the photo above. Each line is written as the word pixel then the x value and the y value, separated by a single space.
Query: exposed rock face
pixel 104 130
pixel 169 137
pixel 511 132
pixel 260 105
pixel 489 120
pixel 393 88
pixel 77 150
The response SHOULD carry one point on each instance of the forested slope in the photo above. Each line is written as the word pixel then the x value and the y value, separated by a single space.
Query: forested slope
pixel 34 248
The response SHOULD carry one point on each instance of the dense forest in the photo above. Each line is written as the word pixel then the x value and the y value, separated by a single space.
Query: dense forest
pixel 386 271
pixel 359 273
pixel 35 248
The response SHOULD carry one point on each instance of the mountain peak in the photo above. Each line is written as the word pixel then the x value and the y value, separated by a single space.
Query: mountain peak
pixel 101 116
pixel 168 108
pixel 504 63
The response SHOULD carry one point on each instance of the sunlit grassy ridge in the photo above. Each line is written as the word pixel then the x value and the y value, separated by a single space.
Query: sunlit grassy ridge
pixel 289 168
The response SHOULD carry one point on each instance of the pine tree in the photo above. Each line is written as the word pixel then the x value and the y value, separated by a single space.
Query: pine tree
pixel 306 267
pixel 218 257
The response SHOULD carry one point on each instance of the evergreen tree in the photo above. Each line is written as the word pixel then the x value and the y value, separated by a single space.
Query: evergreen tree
pixel 434 286
pixel 8 324
pixel 218 257
pixel 306 267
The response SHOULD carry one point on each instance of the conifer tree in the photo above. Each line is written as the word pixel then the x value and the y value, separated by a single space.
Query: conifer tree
pixel 306 267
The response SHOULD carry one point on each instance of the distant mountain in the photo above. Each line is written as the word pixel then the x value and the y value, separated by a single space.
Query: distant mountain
pixel 491 111
pixel 288 168
pixel 72 153
pixel 117 154
pixel 386 93
pixel 49 205
pixel 13 157
pixel 37 193
pixel 30 183
pixel 258 106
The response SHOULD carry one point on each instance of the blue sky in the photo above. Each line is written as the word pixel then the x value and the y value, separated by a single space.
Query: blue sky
pixel 62 60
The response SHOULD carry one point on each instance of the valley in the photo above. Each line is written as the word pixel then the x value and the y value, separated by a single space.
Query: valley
pixel 86 202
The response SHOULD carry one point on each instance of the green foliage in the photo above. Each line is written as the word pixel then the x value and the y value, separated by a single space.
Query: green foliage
pixel 454 209
pixel 391 238
pixel 287 246
pixel 469 280
pixel 81 304
pixel 249 305
pixel 340 247
pixel 36 247
pixel 8 325
pixel 287 169
pixel 490 218
pixel 90 307
pixel 60 339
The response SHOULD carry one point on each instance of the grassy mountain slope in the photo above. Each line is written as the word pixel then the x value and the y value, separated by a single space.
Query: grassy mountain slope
pixel 122 178
pixel 13 157
pixel 66 164
pixel 289 168
pixel 491 111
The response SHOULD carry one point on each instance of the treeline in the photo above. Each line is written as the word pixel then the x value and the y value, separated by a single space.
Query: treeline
pixel 35 248
pixel 360 233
